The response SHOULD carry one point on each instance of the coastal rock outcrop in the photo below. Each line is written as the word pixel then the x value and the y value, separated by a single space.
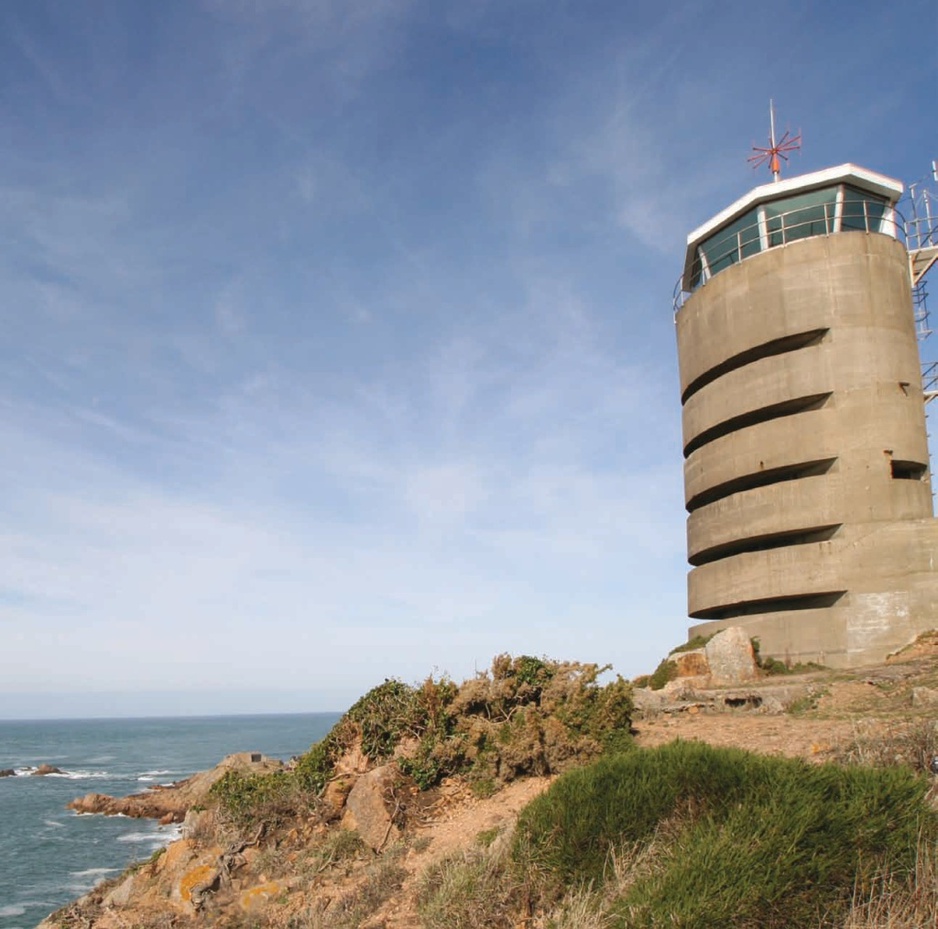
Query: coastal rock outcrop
pixel 170 804
pixel 7 772
pixel 45 769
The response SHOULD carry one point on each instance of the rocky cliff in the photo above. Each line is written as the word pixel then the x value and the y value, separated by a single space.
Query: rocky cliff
pixel 412 777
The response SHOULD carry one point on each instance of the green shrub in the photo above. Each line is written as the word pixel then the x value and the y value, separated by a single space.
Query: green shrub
pixel 247 800
pixel 380 720
pixel 773 666
pixel 753 841
pixel 665 672
pixel 698 641
pixel 315 767
pixel 525 716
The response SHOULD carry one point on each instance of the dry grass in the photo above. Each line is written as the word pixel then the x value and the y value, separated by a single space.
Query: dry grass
pixel 356 908
pixel 591 908
pixel 912 744
pixel 901 901
pixel 473 890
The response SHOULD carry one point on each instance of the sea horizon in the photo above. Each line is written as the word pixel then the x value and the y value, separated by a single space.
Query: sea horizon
pixel 161 716
pixel 33 706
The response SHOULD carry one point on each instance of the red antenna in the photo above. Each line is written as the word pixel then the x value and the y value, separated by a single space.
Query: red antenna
pixel 776 149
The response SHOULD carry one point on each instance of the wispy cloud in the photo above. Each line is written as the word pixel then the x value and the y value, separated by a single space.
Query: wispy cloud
pixel 337 337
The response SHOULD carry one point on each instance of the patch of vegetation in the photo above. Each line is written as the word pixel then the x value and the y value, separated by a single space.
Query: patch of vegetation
pixel 525 716
pixel 663 674
pixel 487 836
pixel 808 702
pixel 248 800
pixel 698 641
pixel 353 909
pixel 912 745
pixel 773 666
pixel 751 841
pixel 532 716
pixel 380 720
pixel 469 891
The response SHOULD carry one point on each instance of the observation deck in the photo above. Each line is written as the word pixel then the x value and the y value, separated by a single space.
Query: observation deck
pixel 845 198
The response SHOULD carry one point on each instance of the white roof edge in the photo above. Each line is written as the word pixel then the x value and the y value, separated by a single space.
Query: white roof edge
pixel 876 183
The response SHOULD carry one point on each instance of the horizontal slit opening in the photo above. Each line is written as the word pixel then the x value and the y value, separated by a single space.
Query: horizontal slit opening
pixel 788 343
pixel 763 543
pixel 754 417
pixel 908 470
pixel 817 601
pixel 793 472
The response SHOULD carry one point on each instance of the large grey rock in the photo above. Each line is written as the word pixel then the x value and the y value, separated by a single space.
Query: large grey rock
pixel 731 658
pixel 372 806
pixel 924 696
pixel 121 894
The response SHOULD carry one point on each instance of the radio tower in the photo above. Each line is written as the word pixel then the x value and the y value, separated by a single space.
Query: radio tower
pixel 776 150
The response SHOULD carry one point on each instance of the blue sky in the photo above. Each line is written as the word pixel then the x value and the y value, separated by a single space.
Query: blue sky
pixel 337 333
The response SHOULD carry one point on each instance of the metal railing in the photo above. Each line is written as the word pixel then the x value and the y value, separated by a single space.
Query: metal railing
pixel 776 230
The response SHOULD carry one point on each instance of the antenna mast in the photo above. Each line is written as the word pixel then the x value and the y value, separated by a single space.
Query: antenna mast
pixel 776 152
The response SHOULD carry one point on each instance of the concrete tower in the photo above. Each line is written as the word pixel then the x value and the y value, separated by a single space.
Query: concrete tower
pixel 806 459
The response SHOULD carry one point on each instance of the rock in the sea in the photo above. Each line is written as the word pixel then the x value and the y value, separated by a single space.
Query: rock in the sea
pixel 94 803
pixel 44 769
pixel 731 658
pixel 7 772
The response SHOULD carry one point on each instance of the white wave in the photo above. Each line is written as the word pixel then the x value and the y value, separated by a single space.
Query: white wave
pixel 152 774
pixel 92 872
pixel 79 890
pixel 81 775
pixel 164 836
pixel 53 823
pixel 13 910
pixel 153 837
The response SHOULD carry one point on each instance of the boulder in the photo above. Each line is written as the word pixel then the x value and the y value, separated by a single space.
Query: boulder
pixel 44 769
pixel 198 823
pixel 93 803
pixel 373 808
pixel 7 772
pixel 731 658
pixel 691 664
pixel 924 696
pixel 121 894
pixel 335 795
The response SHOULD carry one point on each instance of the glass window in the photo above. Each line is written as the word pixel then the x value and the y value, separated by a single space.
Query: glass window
pixel 787 220
pixel 740 239
pixel 801 217
pixel 862 211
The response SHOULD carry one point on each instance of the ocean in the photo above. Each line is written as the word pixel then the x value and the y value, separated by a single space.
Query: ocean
pixel 50 855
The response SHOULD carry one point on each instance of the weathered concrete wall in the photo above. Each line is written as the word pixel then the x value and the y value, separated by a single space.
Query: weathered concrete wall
pixel 804 354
